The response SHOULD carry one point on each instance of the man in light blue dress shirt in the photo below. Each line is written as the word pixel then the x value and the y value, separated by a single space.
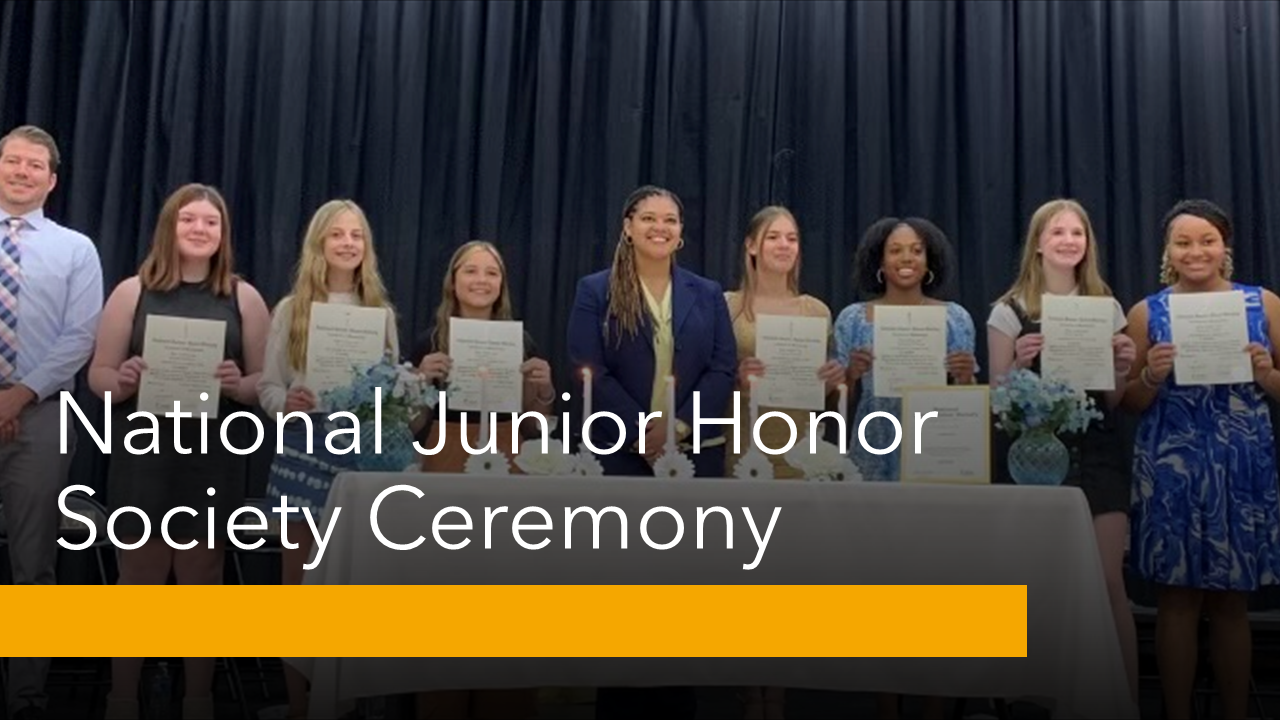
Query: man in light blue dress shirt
pixel 50 301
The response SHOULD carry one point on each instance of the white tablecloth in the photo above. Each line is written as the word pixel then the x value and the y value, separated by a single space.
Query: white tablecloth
pixel 866 534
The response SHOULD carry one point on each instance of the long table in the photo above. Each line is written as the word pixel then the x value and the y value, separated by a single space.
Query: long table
pixel 827 533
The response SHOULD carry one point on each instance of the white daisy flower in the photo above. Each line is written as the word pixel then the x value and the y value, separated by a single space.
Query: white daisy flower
pixel 489 464
pixel 555 461
pixel 755 465
pixel 586 465
pixel 674 466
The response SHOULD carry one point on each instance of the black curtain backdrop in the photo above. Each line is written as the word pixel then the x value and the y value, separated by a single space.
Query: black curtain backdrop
pixel 527 123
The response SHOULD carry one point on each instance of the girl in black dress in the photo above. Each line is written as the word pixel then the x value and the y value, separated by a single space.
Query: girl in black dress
pixel 187 274
pixel 1060 257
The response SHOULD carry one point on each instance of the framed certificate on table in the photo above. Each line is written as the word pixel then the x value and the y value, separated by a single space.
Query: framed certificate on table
pixel 955 443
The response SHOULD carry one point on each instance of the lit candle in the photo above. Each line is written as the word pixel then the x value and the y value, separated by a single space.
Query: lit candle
pixel 754 381
pixel 671 415
pixel 484 406
pixel 586 394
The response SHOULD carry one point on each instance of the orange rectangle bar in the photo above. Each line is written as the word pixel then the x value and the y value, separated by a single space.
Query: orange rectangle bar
pixel 518 621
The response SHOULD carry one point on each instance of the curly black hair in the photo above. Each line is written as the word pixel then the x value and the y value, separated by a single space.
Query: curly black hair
pixel 1204 210
pixel 869 258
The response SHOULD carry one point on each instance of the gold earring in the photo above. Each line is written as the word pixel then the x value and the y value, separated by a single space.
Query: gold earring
pixel 1228 265
pixel 1168 275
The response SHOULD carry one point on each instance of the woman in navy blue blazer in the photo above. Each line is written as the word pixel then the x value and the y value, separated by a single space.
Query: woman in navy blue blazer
pixel 642 320
pixel 632 326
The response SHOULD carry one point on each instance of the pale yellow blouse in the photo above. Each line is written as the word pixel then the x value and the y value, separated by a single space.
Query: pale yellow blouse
pixel 664 344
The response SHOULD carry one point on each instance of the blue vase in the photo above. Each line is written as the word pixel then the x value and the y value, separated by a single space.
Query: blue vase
pixel 1038 457
pixel 397 449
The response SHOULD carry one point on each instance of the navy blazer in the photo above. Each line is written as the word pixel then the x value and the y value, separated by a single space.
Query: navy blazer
pixel 704 360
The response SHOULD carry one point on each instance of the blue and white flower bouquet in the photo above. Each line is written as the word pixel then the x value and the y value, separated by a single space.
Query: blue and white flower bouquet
pixel 1035 410
pixel 405 394
pixel 1025 402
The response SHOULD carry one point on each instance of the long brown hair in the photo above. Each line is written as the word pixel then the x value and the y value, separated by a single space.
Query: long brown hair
pixel 756 231
pixel 311 277
pixel 162 268
pixel 625 302
pixel 1030 283
pixel 448 307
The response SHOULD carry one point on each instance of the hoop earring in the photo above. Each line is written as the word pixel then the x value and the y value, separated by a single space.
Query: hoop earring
pixel 1228 265
pixel 880 276
pixel 680 245
pixel 931 278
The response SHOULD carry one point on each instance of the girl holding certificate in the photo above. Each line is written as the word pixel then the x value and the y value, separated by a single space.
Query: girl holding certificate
pixel 1206 516
pixel 1060 257
pixel 899 263
pixel 475 288
pixel 187 274
pixel 770 285
pixel 338 265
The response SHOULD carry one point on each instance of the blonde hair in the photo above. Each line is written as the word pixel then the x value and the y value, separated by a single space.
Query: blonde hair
pixel 161 270
pixel 311 277
pixel 1030 284
pixel 448 307
pixel 760 225
pixel 625 302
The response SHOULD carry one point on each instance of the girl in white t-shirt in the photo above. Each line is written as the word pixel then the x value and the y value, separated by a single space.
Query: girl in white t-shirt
pixel 1060 257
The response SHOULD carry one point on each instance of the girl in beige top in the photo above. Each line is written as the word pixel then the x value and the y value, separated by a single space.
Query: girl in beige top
pixel 771 286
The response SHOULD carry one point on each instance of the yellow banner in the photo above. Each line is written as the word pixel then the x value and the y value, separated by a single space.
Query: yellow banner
pixel 516 621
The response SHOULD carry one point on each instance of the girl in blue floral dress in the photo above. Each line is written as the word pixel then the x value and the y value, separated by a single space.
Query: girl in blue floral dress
pixel 1205 511
pixel 904 262
pixel 899 262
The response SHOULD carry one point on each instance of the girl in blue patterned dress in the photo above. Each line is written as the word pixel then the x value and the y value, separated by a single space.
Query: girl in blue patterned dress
pixel 898 262
pixel 1205 512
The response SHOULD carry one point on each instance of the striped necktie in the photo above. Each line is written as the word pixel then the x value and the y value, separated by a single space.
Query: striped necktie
pixel 10 272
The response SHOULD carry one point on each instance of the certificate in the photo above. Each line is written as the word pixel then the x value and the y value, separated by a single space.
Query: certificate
pixel 792 350
pixel 910 348
pixel 494 348
pixel 1210 335
pixel 954 445
pixel 182 356
pixel 1077 341
pixel 343 340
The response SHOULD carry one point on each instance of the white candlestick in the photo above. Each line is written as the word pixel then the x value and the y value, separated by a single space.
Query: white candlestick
pixel 671 415
pixel 844 401
pixel 754 403
pixel 586 394
pixel 484 407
